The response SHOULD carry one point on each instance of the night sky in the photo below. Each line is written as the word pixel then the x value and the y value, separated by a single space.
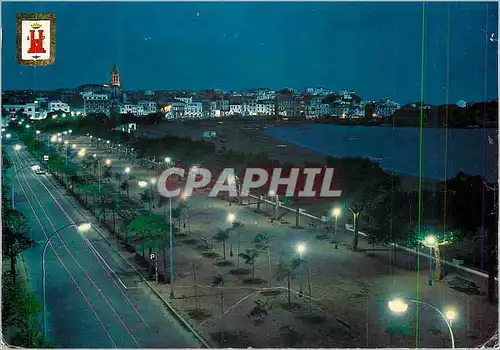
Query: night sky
pixel 373 48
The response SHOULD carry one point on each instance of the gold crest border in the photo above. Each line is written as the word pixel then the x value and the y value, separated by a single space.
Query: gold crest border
pixel 40 16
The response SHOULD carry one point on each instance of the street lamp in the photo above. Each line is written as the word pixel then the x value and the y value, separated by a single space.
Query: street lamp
pixel 171 249
pixel 276 198
pixel 336 213
pixel 231 217
pixel 107 162
pixel 17 147
pixel 431 242
pixel 127 170
pixel 400 306
pixel 151 183
pixel 82 227
pixel 66 151
pixel 98 172
pixel 301 248
pixel 168 160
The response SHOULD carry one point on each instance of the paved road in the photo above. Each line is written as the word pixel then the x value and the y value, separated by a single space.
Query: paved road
pixel 94 299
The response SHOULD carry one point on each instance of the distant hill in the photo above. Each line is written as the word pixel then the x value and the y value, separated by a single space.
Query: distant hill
pixel 474 115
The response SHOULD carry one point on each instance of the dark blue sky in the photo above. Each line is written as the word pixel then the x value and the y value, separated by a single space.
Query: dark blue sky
pixel 374 48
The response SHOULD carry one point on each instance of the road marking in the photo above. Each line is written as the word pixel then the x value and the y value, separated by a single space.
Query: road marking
pixel 83 236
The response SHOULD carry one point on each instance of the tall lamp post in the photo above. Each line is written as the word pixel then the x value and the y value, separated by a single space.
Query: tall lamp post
pixel 433 244
pixel 400 306
pixel 151 183
pixel 336 213
pixel 82 227
pixel 98 171
pixel 65 151
pixel 235 180
pixel 301 248
pixel 171 249
pixel 276 199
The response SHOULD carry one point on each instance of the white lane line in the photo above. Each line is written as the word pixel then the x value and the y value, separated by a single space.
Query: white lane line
pixel 83 236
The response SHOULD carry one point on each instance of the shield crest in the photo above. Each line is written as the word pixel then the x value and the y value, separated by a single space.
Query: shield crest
pixel 36 39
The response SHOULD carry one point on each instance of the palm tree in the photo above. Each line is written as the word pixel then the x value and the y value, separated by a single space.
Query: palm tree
pixel 250 256
pixel 235 225
pixel 263 242
pixel 286 266
pixel 222 236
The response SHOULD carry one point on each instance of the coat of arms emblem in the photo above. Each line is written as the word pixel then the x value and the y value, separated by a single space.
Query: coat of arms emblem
pixel 36 39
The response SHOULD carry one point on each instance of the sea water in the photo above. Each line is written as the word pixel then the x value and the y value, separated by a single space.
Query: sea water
pixel 440 153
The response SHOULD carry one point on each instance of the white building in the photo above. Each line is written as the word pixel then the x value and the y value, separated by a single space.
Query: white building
pixel 29 109
pixel 215 113
pixel 131 109
pixel 235 109
pixel 56 106
pixel 148 106
pixel 40 115
pixel 128 128
pixel 96 103
pixel 265 94
pixel 318 91
pixel 326 110
pixel 193 110
pixel 347 94
pixel 184 99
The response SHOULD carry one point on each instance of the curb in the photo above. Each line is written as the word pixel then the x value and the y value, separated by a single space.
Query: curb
pixel 181 319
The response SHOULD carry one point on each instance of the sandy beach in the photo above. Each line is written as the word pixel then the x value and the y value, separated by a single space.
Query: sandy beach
pixel 250 136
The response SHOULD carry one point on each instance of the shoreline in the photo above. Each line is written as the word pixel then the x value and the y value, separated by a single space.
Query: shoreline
pixel 252 137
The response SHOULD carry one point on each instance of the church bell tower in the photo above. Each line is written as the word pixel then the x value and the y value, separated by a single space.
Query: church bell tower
pixel 115 77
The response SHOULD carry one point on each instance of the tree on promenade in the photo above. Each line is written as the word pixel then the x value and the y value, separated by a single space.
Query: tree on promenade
pixel 262 242
pixel 151 232
pixel 15 236
pixel 287 264
pixel 250 257
pixel 364 185
pixel 470 208
pixel 221 236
